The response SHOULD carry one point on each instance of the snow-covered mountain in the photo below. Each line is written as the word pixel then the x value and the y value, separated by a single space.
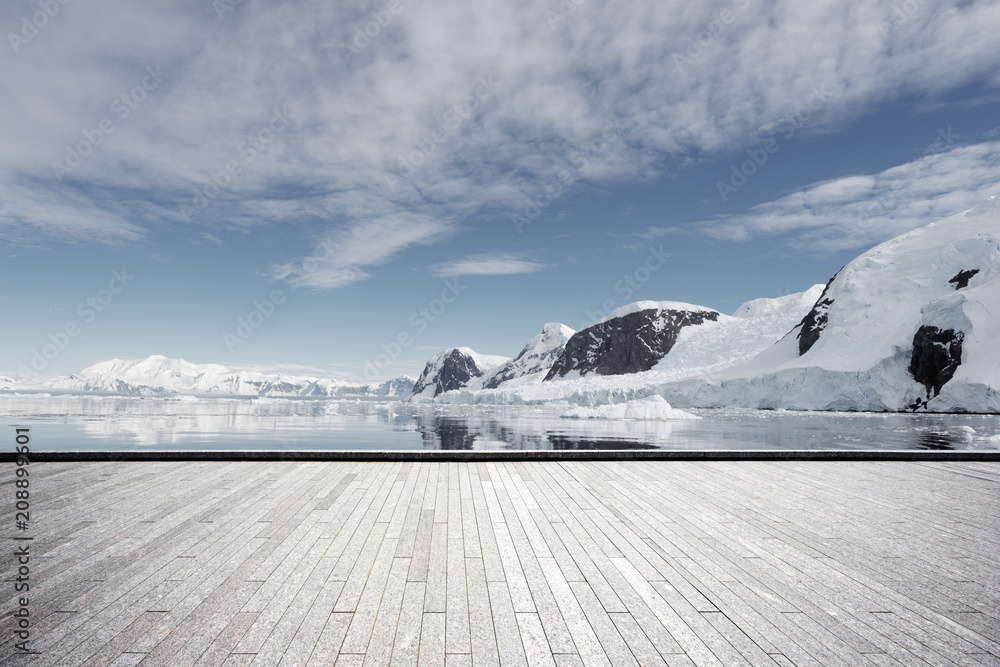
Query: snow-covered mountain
pixel 454 369
pixel 537 356
pixel 159 376
pixel 697 349
pixel 910 324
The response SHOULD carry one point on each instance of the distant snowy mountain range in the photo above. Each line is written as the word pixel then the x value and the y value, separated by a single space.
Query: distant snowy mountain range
pixel 909 325
pixel 160 376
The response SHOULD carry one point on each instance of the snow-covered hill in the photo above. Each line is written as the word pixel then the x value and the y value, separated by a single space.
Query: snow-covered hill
pixel 910 324
pixel 159 376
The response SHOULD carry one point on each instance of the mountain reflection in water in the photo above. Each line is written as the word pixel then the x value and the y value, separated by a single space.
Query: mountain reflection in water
pixel 115 424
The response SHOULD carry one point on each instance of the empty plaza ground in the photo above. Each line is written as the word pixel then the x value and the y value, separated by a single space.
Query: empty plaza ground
pixel 558 563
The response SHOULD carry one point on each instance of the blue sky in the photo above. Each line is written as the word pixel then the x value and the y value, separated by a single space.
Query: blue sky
pixel 222 156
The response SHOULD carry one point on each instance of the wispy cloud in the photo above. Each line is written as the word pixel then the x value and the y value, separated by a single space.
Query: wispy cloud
pixel 856 211
pixel 359 113
pixel 343 255
pixel 29 209
pixel 487 264
pixel 659 232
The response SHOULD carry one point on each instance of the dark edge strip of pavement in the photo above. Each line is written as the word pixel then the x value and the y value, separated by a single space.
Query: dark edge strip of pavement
pixel 510 455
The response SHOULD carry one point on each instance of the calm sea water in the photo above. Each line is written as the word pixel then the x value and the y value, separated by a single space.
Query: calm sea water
pixel 98 423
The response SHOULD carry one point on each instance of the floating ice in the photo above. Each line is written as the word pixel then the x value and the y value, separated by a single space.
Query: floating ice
pixel 649 408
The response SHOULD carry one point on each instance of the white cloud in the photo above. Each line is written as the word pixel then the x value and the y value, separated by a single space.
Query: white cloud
pixel 659 232
pixel 857 211
pixel 356 118
pixel 342 255
pixel 487 264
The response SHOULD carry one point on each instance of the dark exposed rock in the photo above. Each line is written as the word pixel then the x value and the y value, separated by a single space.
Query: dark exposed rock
pixel 937 354
pixel 631 343
pixel 961 280
pixel 814 322
pixel 506 373
pixel 449 373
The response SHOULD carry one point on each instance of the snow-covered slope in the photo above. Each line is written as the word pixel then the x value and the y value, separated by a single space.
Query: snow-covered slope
pixel 159 376
pixel 537 356
pixel 755 326
pixel 454 369
pixel 911 324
